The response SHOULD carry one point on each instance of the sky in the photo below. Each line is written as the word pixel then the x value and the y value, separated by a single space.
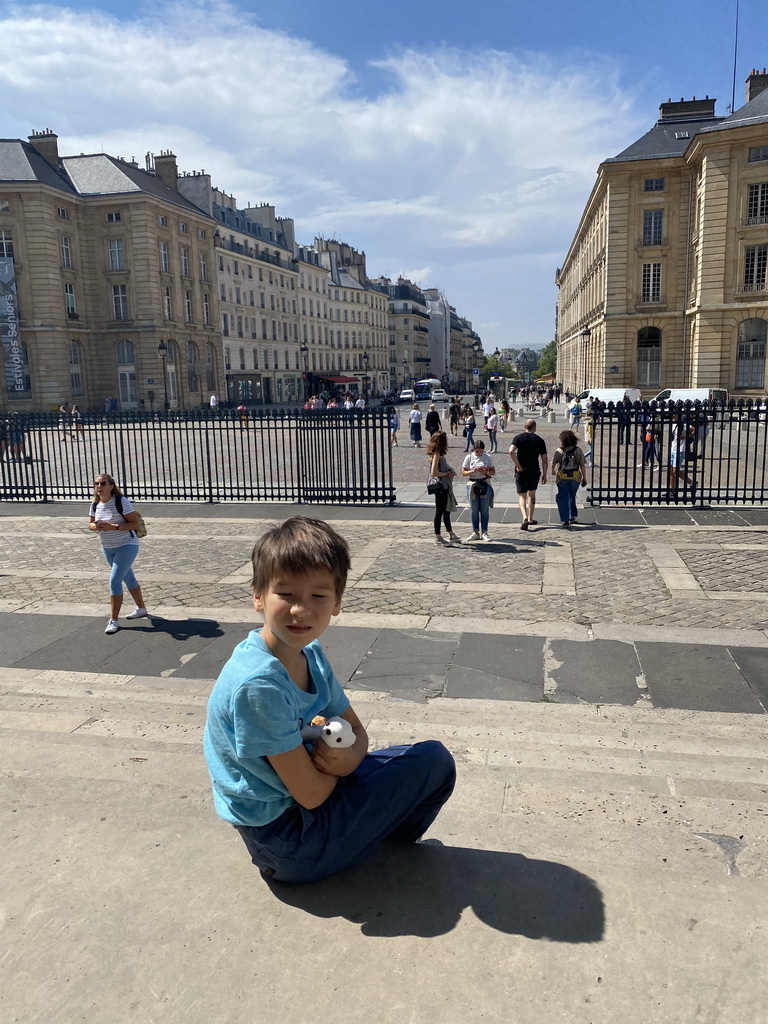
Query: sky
pixel 454 143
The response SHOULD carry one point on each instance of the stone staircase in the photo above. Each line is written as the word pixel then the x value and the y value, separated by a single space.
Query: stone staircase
pixel 599 864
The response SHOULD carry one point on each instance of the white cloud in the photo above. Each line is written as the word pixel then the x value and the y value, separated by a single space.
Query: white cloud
pixel 464 160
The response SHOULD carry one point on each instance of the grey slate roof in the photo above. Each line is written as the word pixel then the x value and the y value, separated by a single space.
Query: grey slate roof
pixel 101 175
pixel 21 162
pixel 662 141
pixel 754 112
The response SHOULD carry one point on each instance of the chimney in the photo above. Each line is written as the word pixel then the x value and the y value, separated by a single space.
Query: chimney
pixel 166 170
pixel 756 83
pixel 687 110
pixel 47 145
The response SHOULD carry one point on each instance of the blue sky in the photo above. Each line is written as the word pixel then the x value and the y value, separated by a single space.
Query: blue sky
pixel 455 143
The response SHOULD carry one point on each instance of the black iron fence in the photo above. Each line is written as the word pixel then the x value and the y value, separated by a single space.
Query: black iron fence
pixel 679 453
pixel 332 456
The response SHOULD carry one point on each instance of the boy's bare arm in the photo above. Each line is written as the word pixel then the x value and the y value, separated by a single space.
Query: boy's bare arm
pixel 311 784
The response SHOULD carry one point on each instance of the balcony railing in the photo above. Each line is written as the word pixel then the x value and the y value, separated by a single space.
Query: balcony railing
pixel 760 218
pixel 648 241
pixel 749 288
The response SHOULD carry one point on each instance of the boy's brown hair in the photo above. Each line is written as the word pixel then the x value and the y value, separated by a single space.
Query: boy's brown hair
pixel 300 545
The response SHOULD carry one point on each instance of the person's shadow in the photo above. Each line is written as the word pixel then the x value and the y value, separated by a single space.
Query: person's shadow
pixel 423 890
pixel 180 629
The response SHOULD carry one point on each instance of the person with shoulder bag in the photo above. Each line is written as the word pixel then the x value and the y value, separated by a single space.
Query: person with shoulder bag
pixel 118 525
pixel 440 484
pixel 570 472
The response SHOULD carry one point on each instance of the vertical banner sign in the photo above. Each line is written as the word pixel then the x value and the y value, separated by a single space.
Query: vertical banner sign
pixel 9 327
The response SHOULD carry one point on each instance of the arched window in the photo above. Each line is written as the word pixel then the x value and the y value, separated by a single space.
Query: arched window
pixel 648 357
pixel 193 384
pixel 750 358
pixel 210 369
pixel 75 369
pixel 126 374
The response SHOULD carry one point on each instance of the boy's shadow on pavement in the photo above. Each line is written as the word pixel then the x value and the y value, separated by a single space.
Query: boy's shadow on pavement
pixel 181 629
pixel 423 890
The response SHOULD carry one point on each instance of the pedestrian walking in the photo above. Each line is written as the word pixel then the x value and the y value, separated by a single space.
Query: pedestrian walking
pixel 441 473
pixel 394 425
pixel 528 452
pixel 414 418
pixel 77 423
pixel 569 470
pixel 504 415
pixel 432 420
pixel 469 427
pixel 213 402
pixel 112 516
pixel 65 423
pixel 15 439
pixel 242 413
pixel 575 410
pixel 453 417
pixel 492 426
pixel 478 468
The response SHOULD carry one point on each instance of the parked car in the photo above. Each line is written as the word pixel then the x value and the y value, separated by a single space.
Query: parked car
pixel 407 395
pixel 439 395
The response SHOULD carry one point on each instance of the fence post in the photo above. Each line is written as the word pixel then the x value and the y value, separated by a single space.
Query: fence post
pixel 208 461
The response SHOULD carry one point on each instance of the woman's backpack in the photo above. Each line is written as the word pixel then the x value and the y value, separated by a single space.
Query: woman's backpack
pixel 569 464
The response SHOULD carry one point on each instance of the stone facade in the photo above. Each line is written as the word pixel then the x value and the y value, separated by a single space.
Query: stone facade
pixel 664 284
pixel 110 263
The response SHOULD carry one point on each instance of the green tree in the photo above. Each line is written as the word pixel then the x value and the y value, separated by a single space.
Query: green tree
pixel 547 360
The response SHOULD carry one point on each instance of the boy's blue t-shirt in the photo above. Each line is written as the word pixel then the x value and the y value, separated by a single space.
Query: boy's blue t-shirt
pixel 255 709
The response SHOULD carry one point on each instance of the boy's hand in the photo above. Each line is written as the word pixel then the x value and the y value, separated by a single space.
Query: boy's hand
pixel 337 761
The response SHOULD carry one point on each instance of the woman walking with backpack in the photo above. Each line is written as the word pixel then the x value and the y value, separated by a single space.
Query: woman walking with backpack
pixel 570 471
pixel 113 517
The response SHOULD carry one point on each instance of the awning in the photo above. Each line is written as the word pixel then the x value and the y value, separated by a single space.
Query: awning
pixel 340 380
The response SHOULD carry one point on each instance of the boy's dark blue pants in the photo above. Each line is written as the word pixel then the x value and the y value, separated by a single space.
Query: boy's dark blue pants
pixel 393 794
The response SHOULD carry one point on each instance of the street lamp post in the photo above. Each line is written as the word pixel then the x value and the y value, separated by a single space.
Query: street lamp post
pixel 585 335
pixel 162 351
pixel 365 375
pixel 405 371
pixel 305 359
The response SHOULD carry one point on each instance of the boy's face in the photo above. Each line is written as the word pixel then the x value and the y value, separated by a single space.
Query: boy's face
pixel 297 608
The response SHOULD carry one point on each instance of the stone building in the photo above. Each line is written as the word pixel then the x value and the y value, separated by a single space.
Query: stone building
pixel 664 284
pixel 408 357
pixel 256 284
pixel 107 282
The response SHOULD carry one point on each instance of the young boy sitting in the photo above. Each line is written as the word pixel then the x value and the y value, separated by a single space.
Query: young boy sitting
pixel 306 811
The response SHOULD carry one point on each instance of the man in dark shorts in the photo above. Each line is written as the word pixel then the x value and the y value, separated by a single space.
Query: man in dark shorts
pixel 529 454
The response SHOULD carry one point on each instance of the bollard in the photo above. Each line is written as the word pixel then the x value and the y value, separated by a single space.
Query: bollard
pixel 521 412
pixel 551 417
pixel 511 415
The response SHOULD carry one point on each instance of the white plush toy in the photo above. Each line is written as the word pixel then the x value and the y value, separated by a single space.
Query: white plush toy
pixel 336 732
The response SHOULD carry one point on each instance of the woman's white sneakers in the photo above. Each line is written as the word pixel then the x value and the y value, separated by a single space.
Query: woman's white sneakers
pixel 138 613
pixel 112 626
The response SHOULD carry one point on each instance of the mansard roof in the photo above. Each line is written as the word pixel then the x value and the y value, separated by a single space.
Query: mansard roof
pixel 754 112
pixel 667 138
pixel 99 174
pixel 20 162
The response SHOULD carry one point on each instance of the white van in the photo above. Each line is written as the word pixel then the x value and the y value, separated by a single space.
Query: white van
pixel 692 395
pixel 607 395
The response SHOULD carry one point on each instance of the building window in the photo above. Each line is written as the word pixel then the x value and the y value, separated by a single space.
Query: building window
pixel 70 301
pixel 184 253
pixel 165 264
pixel 210 369
pixel 227 358
pixel 653 225
pixel 162 221
pixel 203 267
pixel 62 213
pixel 114 218
pixel 263 328
pixel 221 262
pixel 654 184
pixel 182 227
pixel 755 262
pixel 237 296
pixel 75 371
pixel 758 153
pixel 115 258
pixel 649 357
pixel 6 243
pixel 225 324
pixel 167 304
pixel 126 373
pixel 241 354
pixel 223 292
pixel 206 310
pixel 66 252
pixel 188 307
pixel 750 359
pixel 757 203
pixel 120 302
pixel 651 291
pixel 240 330
pixel 192 380
pixel 201 232
pixel 236 267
